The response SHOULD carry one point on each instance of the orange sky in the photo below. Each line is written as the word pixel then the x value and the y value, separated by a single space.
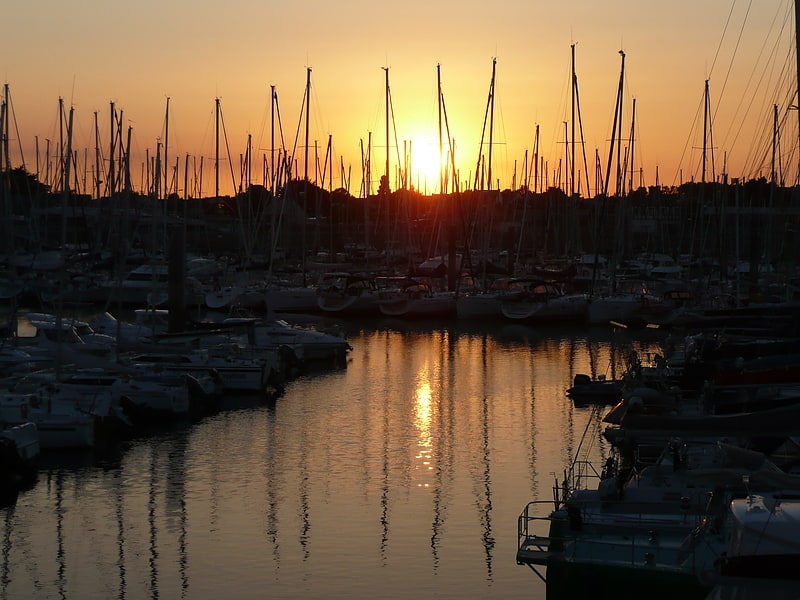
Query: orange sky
pixel 140 54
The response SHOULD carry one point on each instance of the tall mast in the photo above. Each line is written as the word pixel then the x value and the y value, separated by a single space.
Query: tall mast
pixel 572 161
pixel 166 147
pixel 705 129
pixel 97 179
pixel 65 190
pixel 127 163
pixel 441 147
pixel 305 172
pixel 491 124
pixel 383 190
pixel 773 176
pixel 797 82
pixel 63 182
pixel 64 201
pixel 308 103
pixel 617 125
pixel 272 140
pixel 488 115
pixel 566 161
pixel 186 178
pixel 386 93
pixel 216 148
pixel 5 160
pixel 536 184
pixel 630 158
pixel 5 174
pixel 111 175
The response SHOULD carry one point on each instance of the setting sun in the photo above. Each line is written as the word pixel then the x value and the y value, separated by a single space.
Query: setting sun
pixel 424 165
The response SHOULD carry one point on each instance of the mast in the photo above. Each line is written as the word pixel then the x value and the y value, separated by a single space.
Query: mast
pixel 216 148
pixel 617 124
pixel 308 105
pixel 488 115
pixel 386 94
pixel 64 201
pixel 166 147
pixel 567 186
pixel 97 179
pixel 5 160
pixel 127 163
pixel 272 139
pixel 305 172
pixel 574 91
pixel 491 123
pixel 773 175
pixel 63 182
pixel 536 183
pixel 186 179
pixel 705 130
pixel 5 174
pixel 633 139
pixel 111 174
pixel 441 147
pixel 797 82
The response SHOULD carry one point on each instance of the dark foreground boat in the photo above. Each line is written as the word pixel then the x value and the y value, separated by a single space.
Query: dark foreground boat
pixel 601 390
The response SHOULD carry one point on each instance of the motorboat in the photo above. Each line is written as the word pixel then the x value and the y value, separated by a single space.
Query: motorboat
pixel 309 345
pixel 585 389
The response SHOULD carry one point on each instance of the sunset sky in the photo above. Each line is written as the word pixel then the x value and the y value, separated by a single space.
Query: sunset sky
pixel 139 54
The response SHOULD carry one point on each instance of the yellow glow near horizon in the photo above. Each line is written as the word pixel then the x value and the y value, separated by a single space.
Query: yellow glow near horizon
pixel 347 93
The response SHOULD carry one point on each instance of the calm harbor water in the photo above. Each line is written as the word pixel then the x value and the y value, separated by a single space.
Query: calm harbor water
pixel 400 476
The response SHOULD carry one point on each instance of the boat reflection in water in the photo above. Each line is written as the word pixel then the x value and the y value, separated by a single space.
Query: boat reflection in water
pixel 399 476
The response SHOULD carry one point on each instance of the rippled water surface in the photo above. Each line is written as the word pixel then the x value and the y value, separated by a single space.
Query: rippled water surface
pixel 400 476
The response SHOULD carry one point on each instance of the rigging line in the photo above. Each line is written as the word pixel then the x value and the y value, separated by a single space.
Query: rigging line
pixel 403 174
pixel 724 31
pixel 759 86
pixel 317 115
pixel 280 127
pixel 730 64
pixel 227 149
pixel 762 73
pixel 291 159
pixel 760 150
pixel 10 111
pixel 580 443
pixel 483 133
pixel 259 139
pixel 582 138
pixel 687 145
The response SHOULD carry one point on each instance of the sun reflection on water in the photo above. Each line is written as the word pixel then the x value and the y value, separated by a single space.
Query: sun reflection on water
pixel 423 416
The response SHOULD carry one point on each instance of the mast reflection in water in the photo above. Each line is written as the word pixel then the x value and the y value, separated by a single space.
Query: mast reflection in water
pixel 401 476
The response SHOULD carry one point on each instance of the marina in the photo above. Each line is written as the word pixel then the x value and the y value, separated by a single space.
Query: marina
pixel 554 383
pixel 393 477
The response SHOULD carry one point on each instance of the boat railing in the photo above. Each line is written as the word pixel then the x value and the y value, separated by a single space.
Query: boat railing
pixel 533 534
pixel 581 475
